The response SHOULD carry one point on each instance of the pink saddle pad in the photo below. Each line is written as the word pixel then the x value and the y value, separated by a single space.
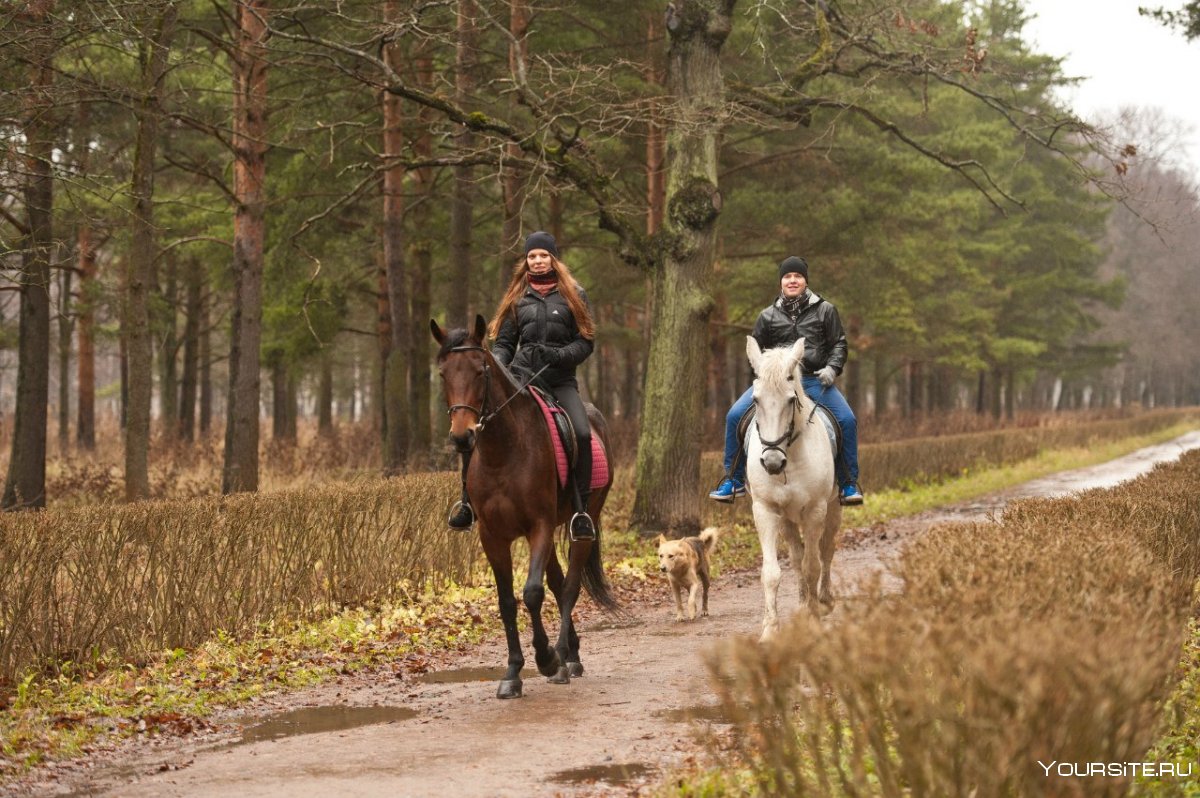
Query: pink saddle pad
pixel 599 460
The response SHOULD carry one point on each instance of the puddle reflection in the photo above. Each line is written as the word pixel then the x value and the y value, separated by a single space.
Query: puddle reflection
pixel 714 713
pixel 462 675
pixel 609 774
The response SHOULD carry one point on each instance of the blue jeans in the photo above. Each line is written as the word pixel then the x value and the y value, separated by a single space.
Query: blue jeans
pixel 829 398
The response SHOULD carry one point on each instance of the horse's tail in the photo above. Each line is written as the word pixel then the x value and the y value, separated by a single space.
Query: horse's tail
pixel 595 583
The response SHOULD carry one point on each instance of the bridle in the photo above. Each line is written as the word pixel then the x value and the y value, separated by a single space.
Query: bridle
pixel 788 438
pixel 481 415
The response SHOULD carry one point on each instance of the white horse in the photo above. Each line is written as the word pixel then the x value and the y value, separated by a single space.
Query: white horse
pixel 790 475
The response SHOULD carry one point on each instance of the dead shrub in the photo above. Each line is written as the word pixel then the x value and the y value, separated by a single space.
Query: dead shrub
pixel 138 578
pixel 1050 637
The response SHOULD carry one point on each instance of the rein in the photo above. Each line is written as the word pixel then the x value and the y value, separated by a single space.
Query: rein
pixel 484 417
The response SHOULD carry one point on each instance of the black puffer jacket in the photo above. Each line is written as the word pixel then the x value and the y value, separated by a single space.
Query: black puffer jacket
pixel 545 320
pixel 818 324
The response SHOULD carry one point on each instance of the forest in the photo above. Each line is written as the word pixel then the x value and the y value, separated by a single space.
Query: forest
pixel 219 215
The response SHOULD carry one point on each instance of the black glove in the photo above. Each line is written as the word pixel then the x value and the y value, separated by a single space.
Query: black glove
pixel 551 355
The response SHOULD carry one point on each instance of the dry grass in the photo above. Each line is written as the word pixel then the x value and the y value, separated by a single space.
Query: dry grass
pixel 1052 635
pixel 132 579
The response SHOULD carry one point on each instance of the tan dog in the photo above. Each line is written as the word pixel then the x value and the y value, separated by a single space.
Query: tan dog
pixel 685 562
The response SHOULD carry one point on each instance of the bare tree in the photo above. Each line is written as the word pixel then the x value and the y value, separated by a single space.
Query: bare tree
pixel 154 47
pixel 25 485
pixel 249 230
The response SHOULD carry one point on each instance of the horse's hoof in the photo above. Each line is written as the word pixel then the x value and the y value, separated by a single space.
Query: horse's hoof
pixel 550 666
pixel 561 677
pixel 509 688
pixel 574 669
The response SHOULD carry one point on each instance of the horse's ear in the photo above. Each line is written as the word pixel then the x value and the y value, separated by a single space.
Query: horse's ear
pixel 480 328
pixel 438 335
pixel 753 352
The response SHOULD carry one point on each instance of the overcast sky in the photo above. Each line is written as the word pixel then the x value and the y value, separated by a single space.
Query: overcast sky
pixel 1127 59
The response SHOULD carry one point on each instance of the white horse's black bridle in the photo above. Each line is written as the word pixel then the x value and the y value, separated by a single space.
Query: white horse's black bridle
pixel 788 438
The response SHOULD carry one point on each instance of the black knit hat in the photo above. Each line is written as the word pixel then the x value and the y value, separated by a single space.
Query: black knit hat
pixel 793 264
pixel 541 240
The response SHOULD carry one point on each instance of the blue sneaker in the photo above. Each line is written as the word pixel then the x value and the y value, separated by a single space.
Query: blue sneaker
pixel 728 490
pixel 851 494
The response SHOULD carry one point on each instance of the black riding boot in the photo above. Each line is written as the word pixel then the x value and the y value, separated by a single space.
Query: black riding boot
pixel 462 516
pixel 582 526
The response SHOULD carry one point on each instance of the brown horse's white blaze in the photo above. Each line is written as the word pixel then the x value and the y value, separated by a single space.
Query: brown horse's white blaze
pixel 513 484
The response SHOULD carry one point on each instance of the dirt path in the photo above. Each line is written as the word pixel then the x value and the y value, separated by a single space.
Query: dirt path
pixel 631 717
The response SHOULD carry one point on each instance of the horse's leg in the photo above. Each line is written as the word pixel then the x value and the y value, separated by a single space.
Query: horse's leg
pixel 768 524
pixel 833 522
pixel 557 582
pixel 541 548
pixel 810 569
pixel 568 641
pixel 500 558
pixel 794 539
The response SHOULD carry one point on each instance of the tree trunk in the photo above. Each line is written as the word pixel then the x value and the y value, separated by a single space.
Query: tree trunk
pixel 513 178
pixel 1010 394
pixel 191 352
pixel 279 399
pixel 458 294
pixel 168 385
pixel 66 326
pixel 85 424
pixel 420 426
pixel 668 461
pixel 143 250
pixel 25 484
pixel 205 365
pixel 880 380
pixel 249 230
pixel 325 397
pixel 398 359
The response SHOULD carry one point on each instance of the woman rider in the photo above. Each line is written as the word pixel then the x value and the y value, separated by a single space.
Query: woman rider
pixel 544 321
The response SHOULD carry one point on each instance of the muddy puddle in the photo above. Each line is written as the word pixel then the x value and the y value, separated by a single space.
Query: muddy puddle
pixel 318 720
pixel 615 774
pixel 712 713
pixel 462 676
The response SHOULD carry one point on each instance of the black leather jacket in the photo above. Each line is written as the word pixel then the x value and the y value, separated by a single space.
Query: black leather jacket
pixel 818 324
pixel 543 320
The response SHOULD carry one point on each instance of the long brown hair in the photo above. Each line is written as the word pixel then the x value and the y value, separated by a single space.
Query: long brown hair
pixel 566 286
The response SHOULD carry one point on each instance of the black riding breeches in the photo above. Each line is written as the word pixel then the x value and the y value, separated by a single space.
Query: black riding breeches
pixel 568 397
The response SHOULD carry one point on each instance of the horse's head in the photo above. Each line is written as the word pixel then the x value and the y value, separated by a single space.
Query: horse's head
pixel 777 391
pixel 466 370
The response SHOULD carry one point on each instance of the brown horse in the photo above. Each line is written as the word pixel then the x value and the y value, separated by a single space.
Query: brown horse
pixel 513 484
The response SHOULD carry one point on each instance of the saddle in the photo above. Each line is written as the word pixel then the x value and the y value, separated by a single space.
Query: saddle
pixel 562 435
pixel 831 429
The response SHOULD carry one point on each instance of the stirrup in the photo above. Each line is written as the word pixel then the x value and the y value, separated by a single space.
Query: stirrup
pixel 588 533
pixel 459 505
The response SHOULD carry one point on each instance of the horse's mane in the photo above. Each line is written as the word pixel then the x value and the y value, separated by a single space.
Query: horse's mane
pixel 773 371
